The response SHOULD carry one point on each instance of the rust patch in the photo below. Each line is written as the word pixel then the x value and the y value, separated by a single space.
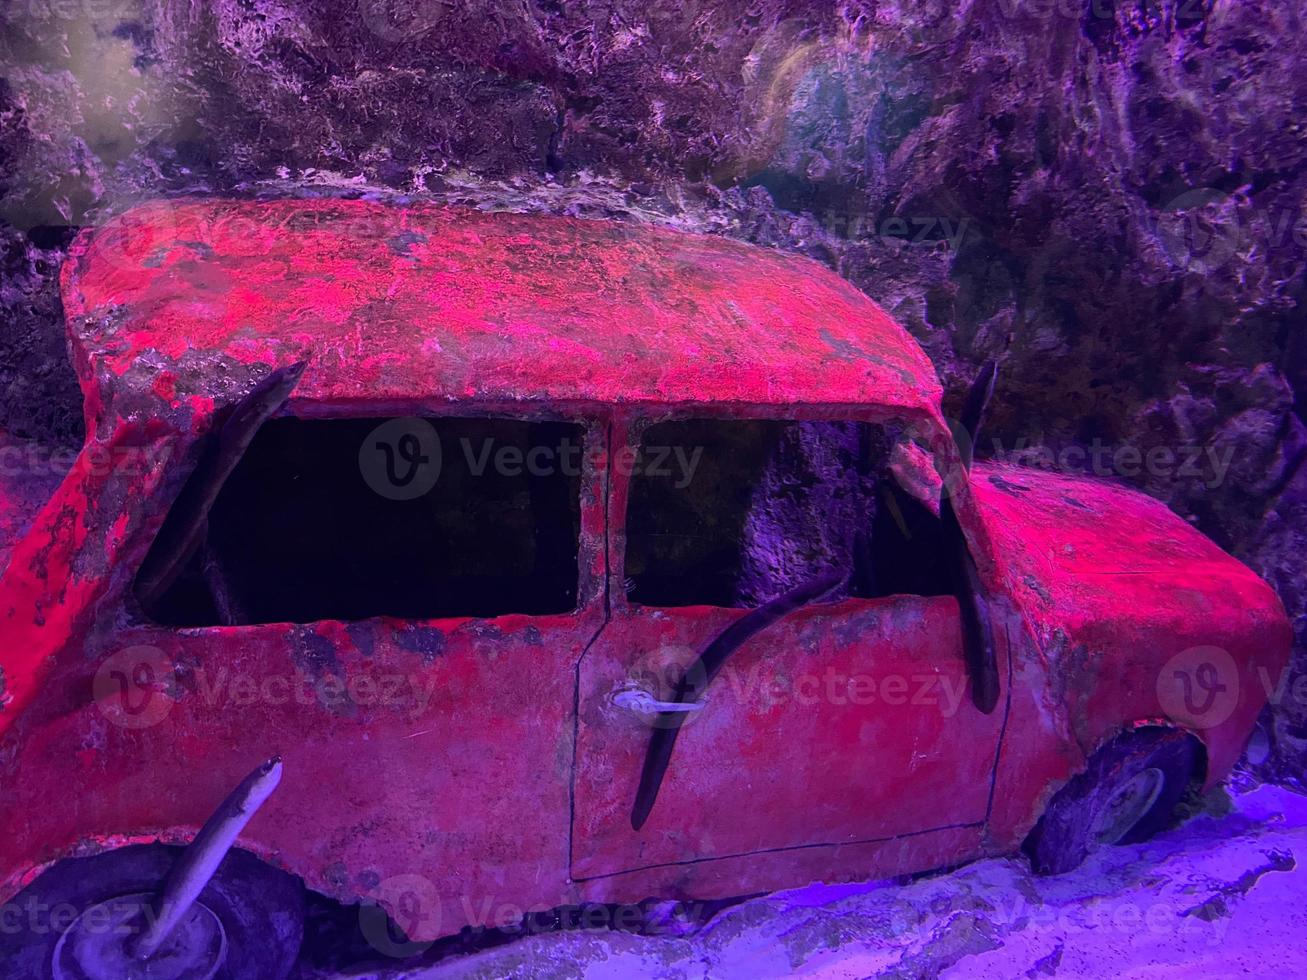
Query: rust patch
pixel 1035 586
pixel 426 641
pixel 363 636
pixel 1007 486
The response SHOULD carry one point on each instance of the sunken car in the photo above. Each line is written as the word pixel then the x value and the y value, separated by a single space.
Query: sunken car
pixel 473 564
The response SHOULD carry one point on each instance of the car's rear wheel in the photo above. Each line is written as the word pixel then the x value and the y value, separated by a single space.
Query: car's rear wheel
pixel 75 922
pixel 1130 790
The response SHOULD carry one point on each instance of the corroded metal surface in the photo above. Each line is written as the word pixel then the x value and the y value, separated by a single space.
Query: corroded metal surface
pixel 1127 614
pixel 844 723
pixel 444 303
pixel 484 757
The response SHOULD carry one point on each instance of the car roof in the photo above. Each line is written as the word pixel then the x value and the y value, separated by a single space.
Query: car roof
pixel 434 303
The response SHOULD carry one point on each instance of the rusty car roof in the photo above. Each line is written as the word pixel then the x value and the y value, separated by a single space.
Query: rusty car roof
pixel 438 303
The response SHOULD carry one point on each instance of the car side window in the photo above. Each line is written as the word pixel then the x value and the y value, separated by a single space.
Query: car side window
pixel 347 519
pixel 735 512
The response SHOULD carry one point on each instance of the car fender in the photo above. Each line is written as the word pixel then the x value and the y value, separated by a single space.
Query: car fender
pixel 1126 615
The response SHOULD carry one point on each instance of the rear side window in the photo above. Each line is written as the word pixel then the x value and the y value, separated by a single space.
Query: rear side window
pixel 414 518
pixel 736 512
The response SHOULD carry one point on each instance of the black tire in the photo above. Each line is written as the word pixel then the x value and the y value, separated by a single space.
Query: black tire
pixel 1068 830
pixel 261 909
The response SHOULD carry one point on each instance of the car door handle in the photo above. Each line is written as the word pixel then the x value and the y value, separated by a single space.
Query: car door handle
pixel 642 702
pixel 699 675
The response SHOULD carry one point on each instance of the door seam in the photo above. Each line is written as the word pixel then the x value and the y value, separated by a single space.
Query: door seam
pixel 777 850
pixel 576 672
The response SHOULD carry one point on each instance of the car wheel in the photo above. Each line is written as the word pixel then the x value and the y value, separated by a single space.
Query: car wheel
pixel 1129 791
pixel 74 921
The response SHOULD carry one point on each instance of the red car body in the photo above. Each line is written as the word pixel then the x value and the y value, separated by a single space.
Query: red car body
pixel 509 789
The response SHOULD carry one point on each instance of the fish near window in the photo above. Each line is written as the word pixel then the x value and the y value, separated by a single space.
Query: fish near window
pixel 346 519
pixel 737 512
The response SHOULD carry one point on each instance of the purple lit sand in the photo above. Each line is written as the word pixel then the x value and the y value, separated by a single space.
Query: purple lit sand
pixel 1220 897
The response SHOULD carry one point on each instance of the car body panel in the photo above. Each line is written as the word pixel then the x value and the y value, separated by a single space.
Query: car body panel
pixel 1127 615
pixel 437 303
pixel 765 871
pixel 500 795
pixel 72 557
pixel 405 750
pixel 394 727
pixel 844 722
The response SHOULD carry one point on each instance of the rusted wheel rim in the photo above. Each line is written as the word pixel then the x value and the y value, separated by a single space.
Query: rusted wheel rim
pixel 1127 805
pixel 94 947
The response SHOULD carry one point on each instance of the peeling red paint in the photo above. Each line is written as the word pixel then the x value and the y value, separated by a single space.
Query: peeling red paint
pixel 486 306
pixel 1108 588
pixel 500 770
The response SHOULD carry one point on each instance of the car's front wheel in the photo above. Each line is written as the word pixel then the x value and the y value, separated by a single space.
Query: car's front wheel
pixel 77 920
pixel 1129 791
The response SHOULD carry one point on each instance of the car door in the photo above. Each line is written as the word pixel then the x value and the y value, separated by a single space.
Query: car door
pixel 405 640
pixel 847 720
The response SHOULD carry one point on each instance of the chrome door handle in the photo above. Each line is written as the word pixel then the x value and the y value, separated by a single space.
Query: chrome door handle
pixel 642 702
